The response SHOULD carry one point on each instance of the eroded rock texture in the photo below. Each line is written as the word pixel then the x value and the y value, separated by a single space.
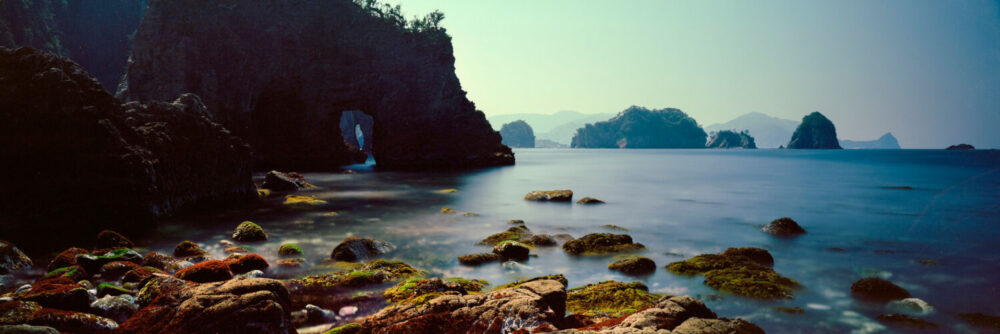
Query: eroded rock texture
pixel 280 74
pixel 86 161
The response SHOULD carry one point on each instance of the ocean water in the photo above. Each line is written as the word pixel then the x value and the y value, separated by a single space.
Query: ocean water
pixel 679 203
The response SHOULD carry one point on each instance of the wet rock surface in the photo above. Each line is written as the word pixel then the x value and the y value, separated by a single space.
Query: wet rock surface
pixel 549 195
pixel 601 243
pixel 877 290
pixel 783 227
pixel 634 265
pixel 741 271
pixel 358 249
pixel 12 259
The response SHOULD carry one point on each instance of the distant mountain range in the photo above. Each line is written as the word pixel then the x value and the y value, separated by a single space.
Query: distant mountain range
pixel 887 141
pixel 558 127
pixel 767 131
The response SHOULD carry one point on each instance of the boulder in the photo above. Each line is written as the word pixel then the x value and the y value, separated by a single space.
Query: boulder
pixel 278 181
pixel 783 227
pixel 66 258
pixel 208 271
pixel 638 265
pixel 512 250
pixel 140 274
pixel 73 322
pixel 12 259
pixel 249 305
pixel 981 320
pixel 815 132
pixel 478 259
pixel 286 95
pixel 289 250
pixel 61 293
pixel 109 239
pixel 318 289
pixel 601 243
pixel 526 306
pixel 877 290
pixel 188 249
pixel 549 195
pixel 419 291
pixel 542 240
pixel 354 249
pixel 249 232
pixel 116 308
pixel 247 263
pixel 75 273
pixel 761 256
pixel 107 289
pixel 157 286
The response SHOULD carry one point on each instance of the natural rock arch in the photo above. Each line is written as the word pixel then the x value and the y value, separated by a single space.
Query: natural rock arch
pixel 279 73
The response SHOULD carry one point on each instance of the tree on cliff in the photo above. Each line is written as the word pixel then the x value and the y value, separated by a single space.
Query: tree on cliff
pixel 639 127
pixel 517 134
pixel 815 132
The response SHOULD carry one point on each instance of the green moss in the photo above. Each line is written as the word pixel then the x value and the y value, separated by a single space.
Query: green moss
pixel 737 274
pixel 289 250
pixel 374 272
pixel 418 290
pixel 470 285
pixel 559 277
pixel 345 329
pixel 516 233
pixel 609 298
pixel 71 272
pixel 104 289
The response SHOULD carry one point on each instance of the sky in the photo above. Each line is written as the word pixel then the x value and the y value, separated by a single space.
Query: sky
pixel 927 71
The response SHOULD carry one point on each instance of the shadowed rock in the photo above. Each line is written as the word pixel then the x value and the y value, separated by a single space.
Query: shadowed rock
pixel 877 290
pixel 357 249
pixel 815 132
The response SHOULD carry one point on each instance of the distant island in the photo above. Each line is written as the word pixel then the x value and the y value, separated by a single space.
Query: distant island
pixel 961 147
pixel 517 134
pixel 768 131
pixel 639 127
pixel 815 132
pixel 731 139
pixel 887 141
pixel 557 128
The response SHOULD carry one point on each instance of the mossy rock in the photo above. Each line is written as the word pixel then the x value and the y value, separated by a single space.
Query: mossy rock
pixel 447 210
pixel 517 233
pixel 289 250
pixel 558 277
pixel 635 265
pixel 542 240
pixel 373 272
pixel 249 232
pixel 105 289
pixel 303 202
pixel 188 248
pixel 74 273
pixel 738 274
pixel 783 227
pixel 419 291
pixel 512 250
pixel 479 259
pixel 609 298
pixel 447 191
pixel 350 328
pixel 601 243
pixel 758 255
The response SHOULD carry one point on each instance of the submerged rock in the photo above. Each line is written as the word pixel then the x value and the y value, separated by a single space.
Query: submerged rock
pixel 638 265
pixel 478 259
pixel 514 233
pixel 783 227
pixel 109 239
pixel 589 200
pixel 542 240
pixel 549 195
pixel 248 305
pixel 249 232
pixel 12 259
pixel 902 320
pixel 740 271
pixel 303 202
pixel 512 250
pixel 815 132
pixel 354 249
pixel 877 290
pixel 601 243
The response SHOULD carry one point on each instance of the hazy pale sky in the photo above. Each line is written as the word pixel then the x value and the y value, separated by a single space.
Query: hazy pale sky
pixel 928 71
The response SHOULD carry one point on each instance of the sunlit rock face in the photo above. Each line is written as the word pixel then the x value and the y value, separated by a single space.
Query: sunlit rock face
pixel 280 74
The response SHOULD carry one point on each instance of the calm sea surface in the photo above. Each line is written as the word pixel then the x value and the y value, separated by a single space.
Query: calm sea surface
pixel 681 203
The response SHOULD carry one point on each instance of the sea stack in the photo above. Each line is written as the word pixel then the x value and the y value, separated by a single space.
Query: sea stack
pixel 815 132
pixel 518 134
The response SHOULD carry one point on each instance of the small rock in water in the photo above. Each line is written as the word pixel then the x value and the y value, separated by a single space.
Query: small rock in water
pixel 354 249
pixel 447 210
pixel 614 227
pixel 249 232
pixel 448 191
pixel 550 195
pixel 589 200
pixel 512 250
pixel 877 290
pixel 783 227
pixel 478 259
pixel 637 265
pixel 911 306
pixel 187 249
pixel 515 222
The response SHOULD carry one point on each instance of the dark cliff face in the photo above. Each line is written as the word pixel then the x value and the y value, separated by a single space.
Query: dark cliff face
pixel 518 134
pixel 86 161
pixel 815 132
pixel 280 74
pixel 638 127
pixel 97 34
pixel 731 139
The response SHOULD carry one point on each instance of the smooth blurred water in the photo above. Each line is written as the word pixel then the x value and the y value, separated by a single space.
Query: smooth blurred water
pixel 681 203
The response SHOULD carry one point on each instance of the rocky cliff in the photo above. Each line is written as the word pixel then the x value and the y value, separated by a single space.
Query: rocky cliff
pixel 279 74
pixel 815 132
pixel 96 34
pixel 518 134
pixel 638 127
pixel 731 139
pixel 79 159
pixel 887 141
